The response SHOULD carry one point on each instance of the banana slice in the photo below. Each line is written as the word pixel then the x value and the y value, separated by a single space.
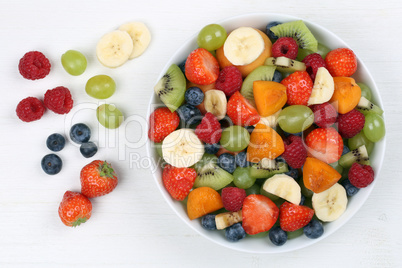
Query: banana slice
pixel 215 102
pixel 243 46
pixel 227 219
pixel 140 35
pixel 330 204
pixel 114 48
pixel 271 120
pixel 323 88
pixel 283 186
pixel 182 148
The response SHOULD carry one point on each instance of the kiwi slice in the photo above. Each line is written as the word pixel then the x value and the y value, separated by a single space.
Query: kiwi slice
pixel 265 73
pixel 267 168
pixel 366 106
pixel 285 65
pixel 171 88
pixel 209 174
pixel 298 31
pixel 358 155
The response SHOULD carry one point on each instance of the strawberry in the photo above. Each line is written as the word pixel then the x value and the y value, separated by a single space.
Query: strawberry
pixel 241 112
pixel 178 181
pixel 162 122
pixel 341 62
pixel 74 209
pixel 259 214
pixel 98 178
pixel 325 144
pixel 293 217
pixel 209 130
pixel 201 67
pixel 298 87
pixel 232 198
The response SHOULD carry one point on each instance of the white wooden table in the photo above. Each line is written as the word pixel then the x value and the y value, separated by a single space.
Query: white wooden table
pixel 133 226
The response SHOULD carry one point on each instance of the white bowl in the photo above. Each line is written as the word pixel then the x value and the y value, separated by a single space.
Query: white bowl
pixel 263 245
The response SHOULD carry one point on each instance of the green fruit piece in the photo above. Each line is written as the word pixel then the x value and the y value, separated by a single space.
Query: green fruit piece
pixel 306 192
pixel 294 234
pixel 158 148
pixel 242 178
pixel 366 91
pixel 109 116
pixel 74 62
pixel 100 86
pixel 358 155
pixel 267 168
pixel 285 65
pixel 295 118
pixel 254 189
pixel 365 106
pixel 264 73
pixel 358 140
pixel 209 174
pixel 211 37
pixel 259 235
pixel 235 138
pixel 374 127
pixel 337 167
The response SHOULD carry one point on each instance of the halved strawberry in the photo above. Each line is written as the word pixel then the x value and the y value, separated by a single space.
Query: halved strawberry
pixel 178 181
pixel 325 144
pixel 162 122
pixel 293 217
pixel 298 88
pixel 259 214
pixel 241 112
pixel 201 67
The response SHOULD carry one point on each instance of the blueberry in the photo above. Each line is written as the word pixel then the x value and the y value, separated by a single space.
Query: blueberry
pixel 269 32
pixel 182 67
pixel 345 150
pixel 280 159
pixel 227 162
pixel 235 232
pixel 241 159
pixel 302 200
pixel 194 96
pixel 211 148
pixel 55 142
pixel 88 149
pixel 80 133
pixel 277 76
pixel 51 164
pixel 294 173
pixel 351 190
pixel 189 114
pixel 313 229
pixel 208 222
pixel 277 236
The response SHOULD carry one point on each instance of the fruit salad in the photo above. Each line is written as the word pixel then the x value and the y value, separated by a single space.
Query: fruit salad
pixel 265 132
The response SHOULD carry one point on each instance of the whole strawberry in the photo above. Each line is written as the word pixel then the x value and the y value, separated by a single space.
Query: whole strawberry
pixel 293 217
pixel 162 122
pixel 298 88
pixel 341 62
pixel 178 181
pixel 98 178
pixel 232 198
pixel 74 209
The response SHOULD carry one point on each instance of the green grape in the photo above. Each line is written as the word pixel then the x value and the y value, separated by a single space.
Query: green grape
pixel 366 92
pixel 374 127
pixel 358 140
pixel 254 189
pixel 295 234
pixel 295 118
pixel 211 37
pixel 109 116
pixel 242 179
pixel 158 148
pixel 306 192
pixel 322 50
pixel 74 62
pixel 235 138
pixel 100 86
pixel 337 167
pixel 259 235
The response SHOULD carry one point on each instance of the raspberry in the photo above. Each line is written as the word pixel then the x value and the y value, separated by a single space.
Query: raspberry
pixel 341 62
pixel 295 153
pixel 58 100
pixel 229 80
pixel 325 114
pixel 34 65
pixel 30 109
pixel 162 122
pixel 360 175
pixel 350 124
pixel 313 62
pixel 209 130
pixel 285 47
pixel 233 198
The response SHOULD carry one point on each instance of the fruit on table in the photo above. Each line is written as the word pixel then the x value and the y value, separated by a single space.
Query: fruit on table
pixel 318 176
pixel 201 201
pixel 51 164
pixel 109 116
pixel 140 36
pixel 240 111
pixel 295 118
pixel 211 37
pixel 215 102
pixel 88 149
pixel 34 65
pixel 341 62
pixel 265 142
pixel 235 138
pixel 284 187
pixel 346 94
pixel 114 48
pixel 58 100
pixel 98 178
pixel 30 109
pixel 74 209
pixel 162 122
pixel 269 97
pixel 178 181
pixel 80 133
pixel 55 142
pixel 323 87
pixel 293 216
pixel 325 144
pixel 100 86
pixel 201 67
pixel 330 204
pixel 74 62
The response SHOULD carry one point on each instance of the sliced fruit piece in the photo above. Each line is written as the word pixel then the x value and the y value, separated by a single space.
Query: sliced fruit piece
pixel 202 201
pixel 283 186
pixel 178 181
pixel 215 102
pixel 261 73
pixel 325 144
pixel 140 35
pixel 346 95
pixel 226 219
pixel 265 142
pixel 285 65
pixel 294 216
pixel 201 67
pixel 269 97
pixel 318 176
pixel 323 88
pixel 358 155
pixel 171 88
pixel 267 168
pixel 240 111
pixel 299 31
pixel 114 48
pixel 329 205
pixel 366 106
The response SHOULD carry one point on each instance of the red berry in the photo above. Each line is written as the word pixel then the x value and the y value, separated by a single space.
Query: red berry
pixel 209 130
pixel 350 124
pixel 34 65
pixel 360 175
pixel 313 62
pixel 232 198
pixel 30 109
pixel 178 181
pixel 285 47
pixel 229 80
pixel 162 122
pixel 74 209
pixel 98 178
pixel 325 114
pixel 325 144
pixel 59 100
pixel 241 112
pixel 201 67
pixel 293 217
pixel 295 153
pixel 341 62
pixel 298 88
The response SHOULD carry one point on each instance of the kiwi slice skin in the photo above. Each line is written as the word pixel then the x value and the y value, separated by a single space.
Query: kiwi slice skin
pixel 258 172
pixel 265 73
pixel 171 88
pixel 298 31
pixel 358 155
pixel 285 65
pixel 365 106
pixel 213 176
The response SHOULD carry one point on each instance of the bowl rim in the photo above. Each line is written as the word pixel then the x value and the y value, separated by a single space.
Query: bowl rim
pixel 380 150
